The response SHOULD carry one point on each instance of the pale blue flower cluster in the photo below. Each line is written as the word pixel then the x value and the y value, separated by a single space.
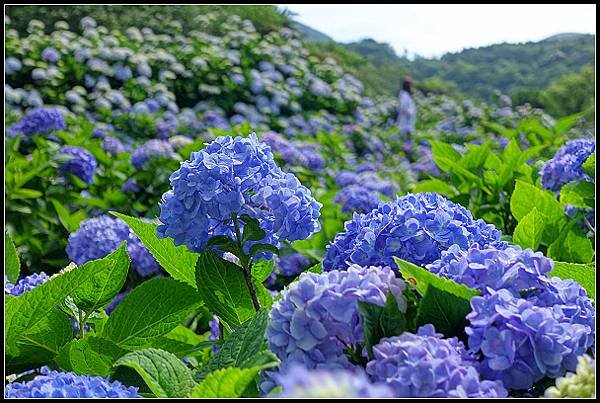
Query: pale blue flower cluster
pixel 292 264
pixel 232 177
pixel 113 145
pixel 426 365
pixel 366 179
pixel 317 317
pixel 565 166
pixel 299 382
pixel 294 153
pixel 54 384
pixel 355 198
pixel 25 284
pixel 39 121
pixel 99 236
pixel 151 150
pixel 415 227
pixel 80 163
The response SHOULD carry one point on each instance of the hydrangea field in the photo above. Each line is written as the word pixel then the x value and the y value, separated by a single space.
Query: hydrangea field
pixel 225 214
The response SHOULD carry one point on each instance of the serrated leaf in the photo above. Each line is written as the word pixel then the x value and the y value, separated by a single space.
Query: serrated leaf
pixel 262 269
pixel 111 273
pixel 12 264
pixel 180 341
pixel 263 247
pixel 91 355
pixel 252 230
pixel 178 261
pixel 318 268
pixel 245 342
pixel 437 186
pixel 151 310
pixel 263 359
pixel 572 246
pixel 584 274
pixel 566 123
pixel 529 231
pixel 370 315
pixel 65 217
pixel 589 166
pixel 225 382
pixel 392 321
pixel 165 374
pixel 578 193
pixel 223 289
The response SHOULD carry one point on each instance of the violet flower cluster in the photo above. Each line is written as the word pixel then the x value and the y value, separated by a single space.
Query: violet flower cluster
pixel 39 121
pixel 294 153
pixel 25 284
pixel 229 178
pixel 415 227
pixel 292 264
pixel 151 150
pixel 100 236
pixel 426 365
pixel 355 198
pixel 80 163
pixel 565 166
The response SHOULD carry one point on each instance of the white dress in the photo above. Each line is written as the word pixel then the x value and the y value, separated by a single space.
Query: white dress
pixel 406 113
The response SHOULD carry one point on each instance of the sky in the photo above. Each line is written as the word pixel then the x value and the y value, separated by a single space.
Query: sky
pixel 431 30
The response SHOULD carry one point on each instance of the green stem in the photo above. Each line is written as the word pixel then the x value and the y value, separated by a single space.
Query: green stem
pixel 589 225
pixel 81 324
pixel 246 264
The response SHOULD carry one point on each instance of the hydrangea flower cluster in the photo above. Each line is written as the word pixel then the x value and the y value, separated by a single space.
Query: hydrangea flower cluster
pixel 235 176
pixel 317 317
pixel 24 284
pixel 81 163
pixel 99 236
pixel 116 301
pixel 367 179
pixel 39 121
pixel 213 324
pixel 150 150
pixel 292 153
pixel 113 145
pixel 299 382
pixel 565 166
pixel 292 264
pixel 426 365
pixel 579 384
pixel 54 384
pixel 415 227
pixel 521 342
pixel 355 198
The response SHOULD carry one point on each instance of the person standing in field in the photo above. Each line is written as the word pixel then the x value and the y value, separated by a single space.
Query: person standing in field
pixel 407 114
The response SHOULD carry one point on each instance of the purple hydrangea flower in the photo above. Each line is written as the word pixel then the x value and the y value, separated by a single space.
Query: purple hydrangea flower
pixel 355 198
pixel 100 236
pixel 292 264
pixel 235 176
pixel 214 333
pixel 113 145
pixel 39 121
pixel 130 186
pixel 151 150
pixel 55 384
pixel 299 382
pixel 565 166
pixel 426 365
pixel 294 154
pixel 317 316
pixel 367 179
pixel 81 163
pixel 415 227
pixel 50 55
pixel 25 284
pixel 116 301
pixel 521 342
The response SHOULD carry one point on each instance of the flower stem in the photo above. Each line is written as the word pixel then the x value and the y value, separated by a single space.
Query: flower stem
pixel 81 323
pixel 246 264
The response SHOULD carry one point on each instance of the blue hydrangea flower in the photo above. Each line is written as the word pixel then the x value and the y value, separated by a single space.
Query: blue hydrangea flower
pixel 235 176
pixel 113 145
pixel 24 284
pixel 565 166
pixel 100 236
pixel 521 342
pixel 366 179
pixel 292 264
pixel 50 55
pixel 415 227
pixel 12 65
pixel 56 384
pixel 151 150
pixel 214 332
pixel 317 316
pixel 355 198
pixel 294 154
pixel 116 301
pixel 426 365
pixel 299 382
pixel 81 163
pixel 130 186
pixel 39 121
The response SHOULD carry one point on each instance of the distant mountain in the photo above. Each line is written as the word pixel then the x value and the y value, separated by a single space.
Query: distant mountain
pixel 309 34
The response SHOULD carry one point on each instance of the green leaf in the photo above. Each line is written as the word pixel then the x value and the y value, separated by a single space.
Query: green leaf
pixel 529 231
pixel 12 264
pixel 242 344
pixel 111 273
pixel 91 355
pixel 178 261
pixel 151 310
pixel 370 314
pixel 223 289
pixel 68 220
pixel 262 269
pixel 392 321
pixel 252 230
pixel 589 166
pixel 263 359
pixel 578 193
pixel 26 311
pixel 445 303
pixel 572 246
pixel 437 186
pixel 181 341
pixel 566 123
pixel 260 247
pixel 442 153
pixel 526 196
pixel 318 268
pixel 584 274
pixel 24 193
pixel 165 374
pixel 225 382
